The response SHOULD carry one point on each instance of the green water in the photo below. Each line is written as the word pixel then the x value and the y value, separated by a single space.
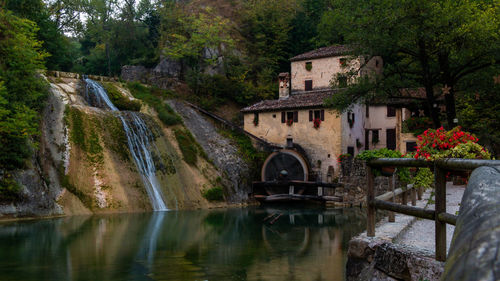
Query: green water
pixel 230 244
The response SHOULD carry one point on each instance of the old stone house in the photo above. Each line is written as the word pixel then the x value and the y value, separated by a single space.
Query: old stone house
pixel 323 134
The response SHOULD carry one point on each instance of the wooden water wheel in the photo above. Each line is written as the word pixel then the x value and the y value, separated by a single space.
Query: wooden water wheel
pixel 284 165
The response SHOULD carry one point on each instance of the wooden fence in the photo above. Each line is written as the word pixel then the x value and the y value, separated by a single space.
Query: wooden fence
pixel 439 215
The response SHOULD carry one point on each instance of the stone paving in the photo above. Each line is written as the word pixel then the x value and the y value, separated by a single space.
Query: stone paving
pixel 421 232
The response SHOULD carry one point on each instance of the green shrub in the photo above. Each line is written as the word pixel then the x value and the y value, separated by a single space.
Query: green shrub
pixel 378 153
pixel 119 100
pixel 403 173
pixel 9 188
pixel 150 96
pixel 424 178
pixel 213 194
pixel 169 119
pixel 188 146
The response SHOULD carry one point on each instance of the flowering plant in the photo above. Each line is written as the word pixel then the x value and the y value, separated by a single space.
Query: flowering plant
pixel 289 122
pixel 316 123
pixel 343 157
pixel 435 144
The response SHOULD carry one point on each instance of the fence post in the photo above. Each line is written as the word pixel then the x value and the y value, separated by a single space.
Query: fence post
pixel 413 195
pixel 392 217
pixel 404 196
pixel 440 198
pixel 370 195
pixel 420 192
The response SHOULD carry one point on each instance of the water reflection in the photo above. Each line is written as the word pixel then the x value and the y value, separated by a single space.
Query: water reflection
pixel 233 244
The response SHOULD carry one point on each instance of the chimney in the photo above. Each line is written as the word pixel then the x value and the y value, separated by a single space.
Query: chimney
pixel 284 90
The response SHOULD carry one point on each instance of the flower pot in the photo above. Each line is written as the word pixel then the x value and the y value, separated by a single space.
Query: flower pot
pixel 387 171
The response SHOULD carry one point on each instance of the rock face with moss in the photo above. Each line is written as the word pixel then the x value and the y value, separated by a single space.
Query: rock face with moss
pixel 220 150
pixel 83 164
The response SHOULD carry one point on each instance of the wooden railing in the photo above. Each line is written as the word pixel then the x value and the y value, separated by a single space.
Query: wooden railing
pixel 439 215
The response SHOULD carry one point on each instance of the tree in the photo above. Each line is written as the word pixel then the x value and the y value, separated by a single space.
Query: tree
pixel 22 92
pixel 429 44
pixel 54 42
pixel 196 34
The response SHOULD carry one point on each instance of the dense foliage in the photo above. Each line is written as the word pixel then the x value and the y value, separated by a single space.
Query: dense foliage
pixel 434 45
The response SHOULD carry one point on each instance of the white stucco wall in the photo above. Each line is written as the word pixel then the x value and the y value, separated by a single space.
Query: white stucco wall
pixel 349 135
pixel 378 120
pixel 323 69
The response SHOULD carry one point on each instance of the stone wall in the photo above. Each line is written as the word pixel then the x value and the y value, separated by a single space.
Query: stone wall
pixel 376 259
pixel 62 74
pixel 353 178
pixel 164 75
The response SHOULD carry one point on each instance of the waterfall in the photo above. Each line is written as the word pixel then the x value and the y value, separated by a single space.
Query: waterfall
pixel 139 138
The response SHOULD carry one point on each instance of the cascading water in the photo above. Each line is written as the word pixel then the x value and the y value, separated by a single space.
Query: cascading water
pixel 139 138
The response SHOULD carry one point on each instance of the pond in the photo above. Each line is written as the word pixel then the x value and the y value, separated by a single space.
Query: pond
pixel 225 244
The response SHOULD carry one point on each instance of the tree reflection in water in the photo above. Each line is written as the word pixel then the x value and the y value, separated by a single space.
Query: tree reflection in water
pixel 230 244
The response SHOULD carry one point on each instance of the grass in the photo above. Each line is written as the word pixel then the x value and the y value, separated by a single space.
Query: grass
pixel 151 96
pixel 83 134
pixel 119 100
pixel 188 146
pixel 214 194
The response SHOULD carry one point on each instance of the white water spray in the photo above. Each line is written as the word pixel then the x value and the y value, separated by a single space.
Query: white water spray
pixel 139 139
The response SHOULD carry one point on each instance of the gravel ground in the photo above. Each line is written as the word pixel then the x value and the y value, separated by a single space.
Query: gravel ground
pixel 421 233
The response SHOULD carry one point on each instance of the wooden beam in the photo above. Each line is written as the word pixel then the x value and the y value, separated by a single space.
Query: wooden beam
pixel 440 198
pixel 448 218
pixel 302 184
pixel 403 209
pixel 388 195
pixel 298 197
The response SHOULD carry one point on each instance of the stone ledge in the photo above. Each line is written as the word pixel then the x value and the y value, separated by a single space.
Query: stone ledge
pixel 377 259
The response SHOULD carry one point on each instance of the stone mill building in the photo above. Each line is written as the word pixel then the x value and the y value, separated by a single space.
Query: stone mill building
pixel 300 114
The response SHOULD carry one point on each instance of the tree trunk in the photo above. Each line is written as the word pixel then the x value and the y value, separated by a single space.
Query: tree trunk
pixel 449 98
pixel 428 84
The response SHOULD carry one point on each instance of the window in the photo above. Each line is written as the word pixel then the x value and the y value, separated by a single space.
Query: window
pixel 367 139
pixel 391 138
pixel 350 150
pixel 367 111
pixel 308 85
pixel 274 115
pixel 375 138
pixel 309 65
pixel 316 114
pixel 256 118
pixel 342 81
pixel 290 116
pixel 391 111
pixel 343 61
pixel 376 63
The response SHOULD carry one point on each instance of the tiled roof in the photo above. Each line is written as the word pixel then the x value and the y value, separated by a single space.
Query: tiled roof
pixel 406 96
pixel 324 52
pixel 297 101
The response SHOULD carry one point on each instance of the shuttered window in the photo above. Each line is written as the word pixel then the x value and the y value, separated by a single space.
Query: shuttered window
pixel 316 114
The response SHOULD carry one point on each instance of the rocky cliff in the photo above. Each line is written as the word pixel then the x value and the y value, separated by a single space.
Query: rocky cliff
pixel 83 164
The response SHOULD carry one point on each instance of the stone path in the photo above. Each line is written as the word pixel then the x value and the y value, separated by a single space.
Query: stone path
pixel 421 233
